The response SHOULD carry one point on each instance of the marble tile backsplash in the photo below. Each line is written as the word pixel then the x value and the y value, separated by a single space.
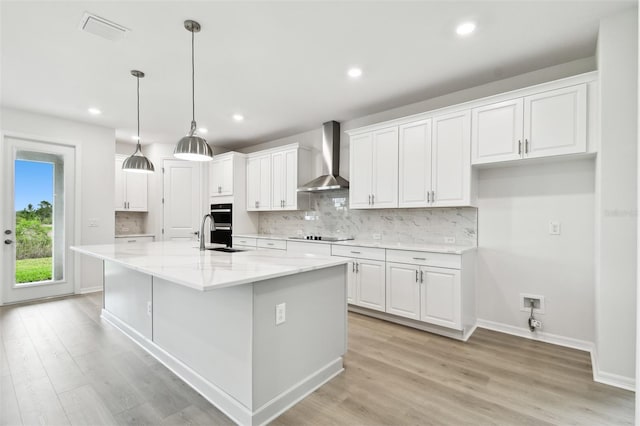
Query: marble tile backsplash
pixel 130 223
pixel 329 214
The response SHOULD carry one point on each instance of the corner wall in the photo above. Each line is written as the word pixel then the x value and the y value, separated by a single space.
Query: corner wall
pixel 93 145
pixel 616 201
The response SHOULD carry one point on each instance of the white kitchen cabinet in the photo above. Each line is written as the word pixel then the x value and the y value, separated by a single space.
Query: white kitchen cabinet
pixel 130 189
pixel 374 170
pixel 273 177
pixel 121 239
pixel 221 175
pixel 414 174
pixel 555 122
pixel 403 290
pixel 497 132
pixel 271 244
pixel 440 301
pixel 259 183
pixel 549 123
pixel 305 247
pixel 451 164
pixel 366 275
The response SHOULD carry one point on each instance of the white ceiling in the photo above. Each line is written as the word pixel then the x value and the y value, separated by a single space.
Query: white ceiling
pixel 281 64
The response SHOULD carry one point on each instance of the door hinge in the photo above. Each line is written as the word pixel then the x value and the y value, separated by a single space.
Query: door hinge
pixel 162 231
pixel 162 200
pixel 163 170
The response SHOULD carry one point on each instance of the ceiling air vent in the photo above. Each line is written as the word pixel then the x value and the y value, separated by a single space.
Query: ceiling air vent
pixel 102 27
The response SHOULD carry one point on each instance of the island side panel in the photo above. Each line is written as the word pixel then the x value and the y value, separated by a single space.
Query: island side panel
pixel 127 294
pixel 210 332
pixel 308 345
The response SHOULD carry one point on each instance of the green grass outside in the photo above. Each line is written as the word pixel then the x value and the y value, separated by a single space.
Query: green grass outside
pixel 32 270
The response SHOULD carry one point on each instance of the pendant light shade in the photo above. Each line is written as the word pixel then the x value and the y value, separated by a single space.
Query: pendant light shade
pixel 193 147
pixel 137 162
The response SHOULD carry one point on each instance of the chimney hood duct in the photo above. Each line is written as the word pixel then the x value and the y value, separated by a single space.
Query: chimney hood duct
pixel 330 178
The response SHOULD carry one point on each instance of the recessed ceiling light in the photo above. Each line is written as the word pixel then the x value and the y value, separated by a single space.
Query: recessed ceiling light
pixel 94 111
pixel 354 72
pixel 466 28
pixel 238 117
pixel 202 130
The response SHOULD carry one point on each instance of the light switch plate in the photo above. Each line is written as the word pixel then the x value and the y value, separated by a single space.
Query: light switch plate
pixel 450 240
pixel 281 313
pixel 554 227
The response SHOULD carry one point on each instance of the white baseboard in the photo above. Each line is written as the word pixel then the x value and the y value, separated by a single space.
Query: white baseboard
pixel 610 378
pixel 569 342
pixel 86 290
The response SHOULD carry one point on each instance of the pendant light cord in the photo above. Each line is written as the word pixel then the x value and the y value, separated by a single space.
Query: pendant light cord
pixel 193 80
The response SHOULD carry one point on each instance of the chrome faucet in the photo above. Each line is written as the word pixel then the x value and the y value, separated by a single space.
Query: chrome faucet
pixel 211 228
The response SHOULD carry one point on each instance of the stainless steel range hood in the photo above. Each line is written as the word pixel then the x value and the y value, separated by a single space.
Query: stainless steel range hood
pixel 330 178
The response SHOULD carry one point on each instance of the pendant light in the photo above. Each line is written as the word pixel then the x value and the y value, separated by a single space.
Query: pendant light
pixel 193 147
pixel 137 162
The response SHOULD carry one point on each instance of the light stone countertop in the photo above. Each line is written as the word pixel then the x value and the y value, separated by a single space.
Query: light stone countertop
pixel 430 248
pixel 183 263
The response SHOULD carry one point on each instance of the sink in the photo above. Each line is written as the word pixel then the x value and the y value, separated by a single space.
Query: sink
pixel 225 249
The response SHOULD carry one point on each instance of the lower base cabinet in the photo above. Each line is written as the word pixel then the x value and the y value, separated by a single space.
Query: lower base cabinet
pixel 366 284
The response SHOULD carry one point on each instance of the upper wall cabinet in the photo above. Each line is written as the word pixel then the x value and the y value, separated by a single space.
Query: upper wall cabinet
pixel 544 124
pixel 130 189
pixel 221 175
pixel 273 177
pixel 374 170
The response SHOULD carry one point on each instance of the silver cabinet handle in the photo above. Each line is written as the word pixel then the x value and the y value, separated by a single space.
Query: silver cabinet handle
pixel 433 196
pixel 428 196
pixel 219 189
pixel 357 267
pixel 421 276
pixel 419 258
pixel 526 146
pixel 355 252
pixel 369 199
pixel 269 244
pixel 353 267
pixel 131 241
pixel 416 275
pixel 519 147
pixel 373 199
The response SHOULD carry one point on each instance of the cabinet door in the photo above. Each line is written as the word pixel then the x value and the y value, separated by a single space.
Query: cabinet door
pixel 371 284
pixel 227 176
pixel 291 179
pixel 496 133
pixel 440 297
pixel 352 282
pixel 215 178
pixel 414 175
pixel 361 171
pixel 136 192
pixel 385 169
pixel 119 199
pixel 451 163
pixel 403 290
pixel 555 122
pixel 277 180
pixel 253 183
pixel 264 198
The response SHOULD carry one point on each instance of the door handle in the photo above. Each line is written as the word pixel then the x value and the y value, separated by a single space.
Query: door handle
pixel 8 241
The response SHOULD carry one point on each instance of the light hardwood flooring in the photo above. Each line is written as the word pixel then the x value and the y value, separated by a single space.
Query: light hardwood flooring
pixel 60 364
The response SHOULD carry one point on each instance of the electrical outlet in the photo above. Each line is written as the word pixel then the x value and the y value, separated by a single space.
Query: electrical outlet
pixel 450 240
pixel 300 233
pixel 125 229
pixel 554 227
pixel 93 223
pixel 538 303
pixel 149 310
pixel 377 236
pixel 536 323
pixel 281 313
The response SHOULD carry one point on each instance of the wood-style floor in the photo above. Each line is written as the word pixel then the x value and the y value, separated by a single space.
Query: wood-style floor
pixel 60 364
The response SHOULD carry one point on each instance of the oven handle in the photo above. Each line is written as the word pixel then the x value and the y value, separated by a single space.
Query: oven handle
pixel 221 211
pixel 223 228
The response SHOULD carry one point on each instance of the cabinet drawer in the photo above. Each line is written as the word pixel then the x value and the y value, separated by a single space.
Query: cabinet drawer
pixel 129 240
pixel 422 258
pixel 272 244
pixel 309 248
pixel 242 241
pixel 372 253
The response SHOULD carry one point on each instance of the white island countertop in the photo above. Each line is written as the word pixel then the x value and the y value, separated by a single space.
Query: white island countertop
pixel 183 263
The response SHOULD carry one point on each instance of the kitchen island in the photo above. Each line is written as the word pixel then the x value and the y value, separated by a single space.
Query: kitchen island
pixel 254 332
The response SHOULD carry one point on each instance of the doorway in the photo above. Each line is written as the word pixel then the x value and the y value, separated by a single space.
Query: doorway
pixel 181 200
pixel 38 215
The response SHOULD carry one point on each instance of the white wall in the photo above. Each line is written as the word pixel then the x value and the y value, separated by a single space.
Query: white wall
pixel 616 177
pixel 95 147
pixel 517 254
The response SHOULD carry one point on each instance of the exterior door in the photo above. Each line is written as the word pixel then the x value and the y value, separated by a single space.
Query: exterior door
pixel 361 171
pixel 451 165
pixel 555 122
pixel 497 132
pixel 415 164
pixel 182 208
pixel 38 204
pixel 403 290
